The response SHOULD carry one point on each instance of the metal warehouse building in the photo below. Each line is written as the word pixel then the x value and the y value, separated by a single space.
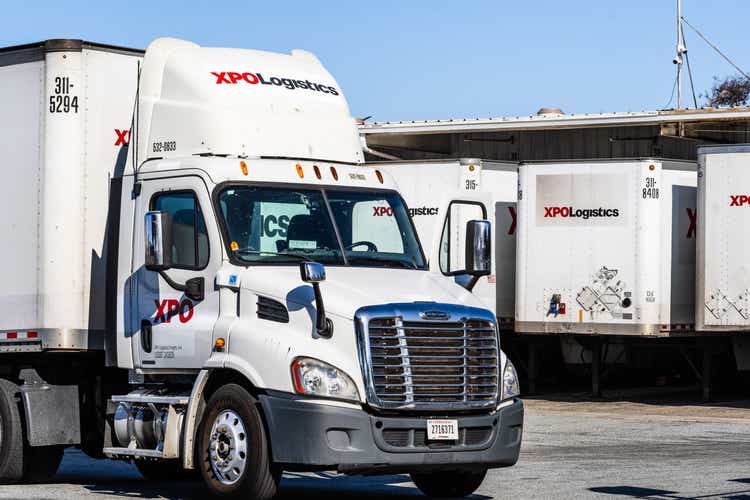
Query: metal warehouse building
pixel 553 135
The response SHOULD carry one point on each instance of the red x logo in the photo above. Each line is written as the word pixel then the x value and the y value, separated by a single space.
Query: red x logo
pixel 123 136
pixel 691 229
pixel 512 211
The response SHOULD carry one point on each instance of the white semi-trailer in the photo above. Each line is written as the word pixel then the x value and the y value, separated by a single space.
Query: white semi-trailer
pixel 723 252
pixel 442 195
pixel 606 247
pixel 165 296
pixel 606 254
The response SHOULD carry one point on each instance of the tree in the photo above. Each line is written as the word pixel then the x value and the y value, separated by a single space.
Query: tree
pixel 732 91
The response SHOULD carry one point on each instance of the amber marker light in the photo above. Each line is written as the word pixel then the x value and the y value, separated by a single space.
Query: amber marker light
pixel 300 172
pixel 471 168
pixel 317 171
pixel 243 167
pixel 334 174
pixel 220 343
pixel 651 167
pixel 379 176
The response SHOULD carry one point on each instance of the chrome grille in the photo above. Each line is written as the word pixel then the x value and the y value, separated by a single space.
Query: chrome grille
pixel 451 364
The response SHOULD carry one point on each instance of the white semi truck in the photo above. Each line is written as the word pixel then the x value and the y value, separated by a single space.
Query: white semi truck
pixel 210 280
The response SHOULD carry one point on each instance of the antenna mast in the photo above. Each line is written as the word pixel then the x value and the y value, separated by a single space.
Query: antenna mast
pixel 681 49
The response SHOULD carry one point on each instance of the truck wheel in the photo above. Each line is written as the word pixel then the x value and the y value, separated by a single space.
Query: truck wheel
pixel 448 484
pixel 234 458
pixel 167 470
pixel 41 463
pixel 11 434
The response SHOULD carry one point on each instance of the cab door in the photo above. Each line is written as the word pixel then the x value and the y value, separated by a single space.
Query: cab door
pixel 173 330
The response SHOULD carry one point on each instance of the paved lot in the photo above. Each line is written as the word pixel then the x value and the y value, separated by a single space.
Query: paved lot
pixel 571 449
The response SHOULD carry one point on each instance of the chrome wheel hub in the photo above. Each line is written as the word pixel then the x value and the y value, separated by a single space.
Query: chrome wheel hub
pixel 227 447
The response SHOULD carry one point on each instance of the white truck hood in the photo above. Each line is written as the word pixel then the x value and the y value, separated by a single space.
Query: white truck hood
pixel 346 289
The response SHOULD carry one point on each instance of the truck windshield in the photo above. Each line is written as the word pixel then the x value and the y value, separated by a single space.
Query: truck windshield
pixel 286 225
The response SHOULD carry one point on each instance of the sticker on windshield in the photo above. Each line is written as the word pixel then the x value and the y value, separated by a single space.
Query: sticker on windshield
pixel 303 244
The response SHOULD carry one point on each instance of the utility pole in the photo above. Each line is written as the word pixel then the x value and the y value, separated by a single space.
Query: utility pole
pixel 680 50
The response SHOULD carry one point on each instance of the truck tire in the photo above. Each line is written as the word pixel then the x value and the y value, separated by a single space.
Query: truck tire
pixel 11 434
pixel 41 463
pixel 233 454
pixel 448 484
pixel 166 470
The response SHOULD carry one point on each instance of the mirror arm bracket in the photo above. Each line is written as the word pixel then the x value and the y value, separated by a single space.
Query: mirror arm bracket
pixel 323 325
pixel 472 282
pixel 195 292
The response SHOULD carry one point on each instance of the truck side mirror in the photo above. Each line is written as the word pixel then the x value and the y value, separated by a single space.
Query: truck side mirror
pixel 158 241
pixel 478 248
pixel 314 273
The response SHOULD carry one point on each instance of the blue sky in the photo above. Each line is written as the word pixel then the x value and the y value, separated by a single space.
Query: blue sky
pixel 408 60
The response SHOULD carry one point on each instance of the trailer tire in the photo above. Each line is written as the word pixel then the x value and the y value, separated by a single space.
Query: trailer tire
pixel 233 455
pixel 11 434
pixel 447 484
pixel 41 463
pixel 165 470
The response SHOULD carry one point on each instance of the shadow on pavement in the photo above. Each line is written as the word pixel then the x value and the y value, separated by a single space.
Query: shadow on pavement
pixel 632 491
pixel 293 486
pixel 638 492
pixel 122 479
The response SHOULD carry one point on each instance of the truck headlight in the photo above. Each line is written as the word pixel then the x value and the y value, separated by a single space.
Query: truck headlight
pixel 511 387
pixel 316 378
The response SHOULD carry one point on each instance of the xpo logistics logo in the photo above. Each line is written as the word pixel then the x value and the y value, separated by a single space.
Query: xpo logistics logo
pixel 247 78
pixel 739 200
pixel 580 213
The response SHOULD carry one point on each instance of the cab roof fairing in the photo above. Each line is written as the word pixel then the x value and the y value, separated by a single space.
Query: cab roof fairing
pixel 186 109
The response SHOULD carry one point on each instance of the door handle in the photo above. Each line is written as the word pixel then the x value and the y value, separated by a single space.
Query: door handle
pixel 146 335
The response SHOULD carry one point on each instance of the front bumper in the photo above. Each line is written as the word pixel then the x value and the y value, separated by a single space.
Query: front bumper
pixel 308 435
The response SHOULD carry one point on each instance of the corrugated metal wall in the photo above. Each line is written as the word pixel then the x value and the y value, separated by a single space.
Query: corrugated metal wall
pixel 561 144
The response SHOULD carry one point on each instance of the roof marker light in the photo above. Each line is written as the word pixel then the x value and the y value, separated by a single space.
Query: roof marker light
pixel 471 168
pixel 651 167
pixel 334 174
pixel 243 167
pixel 300 172
pixel 379 176
pixel 317 171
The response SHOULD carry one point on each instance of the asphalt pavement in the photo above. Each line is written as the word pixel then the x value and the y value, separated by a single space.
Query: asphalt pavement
pixel 572 448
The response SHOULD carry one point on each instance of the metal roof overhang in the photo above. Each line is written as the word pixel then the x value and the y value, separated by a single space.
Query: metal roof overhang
pixel 556 121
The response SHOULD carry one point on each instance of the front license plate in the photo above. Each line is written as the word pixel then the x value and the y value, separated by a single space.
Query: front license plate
pixel 442 430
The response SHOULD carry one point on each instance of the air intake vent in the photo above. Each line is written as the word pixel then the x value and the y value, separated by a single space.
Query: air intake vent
pixel 272 310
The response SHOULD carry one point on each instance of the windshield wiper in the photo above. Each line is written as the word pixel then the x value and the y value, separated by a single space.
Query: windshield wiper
pixel 278 254
pixel 401 263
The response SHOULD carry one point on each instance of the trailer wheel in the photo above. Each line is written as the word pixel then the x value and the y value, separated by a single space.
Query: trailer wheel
pixel 11 434
pixel 41 463
pixel 448 484
pixel 234 457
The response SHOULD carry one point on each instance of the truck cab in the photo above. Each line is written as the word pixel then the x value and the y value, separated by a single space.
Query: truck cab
pixel 274 307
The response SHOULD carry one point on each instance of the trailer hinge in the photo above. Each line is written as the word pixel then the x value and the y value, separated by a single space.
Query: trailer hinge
pixel 136 190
